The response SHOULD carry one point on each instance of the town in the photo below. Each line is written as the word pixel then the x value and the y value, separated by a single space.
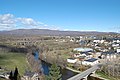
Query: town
pixel 76 53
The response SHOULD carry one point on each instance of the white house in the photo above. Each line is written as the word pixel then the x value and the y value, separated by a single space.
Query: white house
pixel 83 49
pixel 115 45
pixel 98 41
pixel 118 50
pixel 91 61
pixel 111 56
pixel 116 41
pixel 71 60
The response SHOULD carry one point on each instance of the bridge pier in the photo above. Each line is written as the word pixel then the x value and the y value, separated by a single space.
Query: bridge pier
pixel 85 78
pixel 93 72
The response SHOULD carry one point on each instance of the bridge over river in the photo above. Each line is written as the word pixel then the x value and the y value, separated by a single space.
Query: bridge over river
pixel 85 74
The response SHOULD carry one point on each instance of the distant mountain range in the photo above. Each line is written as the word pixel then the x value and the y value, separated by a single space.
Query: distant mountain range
pixel 50 32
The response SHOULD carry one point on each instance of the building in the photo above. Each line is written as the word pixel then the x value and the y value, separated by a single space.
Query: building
pixel 71 60
pixel 118 50
pixel 98 41
pixel 90 62
pixel 109 55
pixel 83 49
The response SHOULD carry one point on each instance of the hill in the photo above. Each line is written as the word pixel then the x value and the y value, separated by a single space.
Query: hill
pixel 50 32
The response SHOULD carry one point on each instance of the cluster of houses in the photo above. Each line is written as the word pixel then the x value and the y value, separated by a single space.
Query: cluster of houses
pixel 84 56
pixel 98 49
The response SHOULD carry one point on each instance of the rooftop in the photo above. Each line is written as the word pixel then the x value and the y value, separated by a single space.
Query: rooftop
pixel 91 60
pixel 83 49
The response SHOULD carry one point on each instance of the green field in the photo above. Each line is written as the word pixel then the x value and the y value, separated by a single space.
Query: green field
pixel 12 60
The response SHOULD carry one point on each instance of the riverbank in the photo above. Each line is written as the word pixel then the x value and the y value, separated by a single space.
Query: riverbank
pixel 76 71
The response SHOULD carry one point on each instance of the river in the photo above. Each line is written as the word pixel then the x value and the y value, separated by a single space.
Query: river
pixel 65 72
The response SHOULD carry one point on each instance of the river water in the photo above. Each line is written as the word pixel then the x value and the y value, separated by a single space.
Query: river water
pixel 65 72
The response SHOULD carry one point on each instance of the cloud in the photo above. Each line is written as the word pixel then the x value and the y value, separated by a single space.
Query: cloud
pixel 7 19
pixel 9 22
pixel 53 27
pixel 45 25
pixel 28 21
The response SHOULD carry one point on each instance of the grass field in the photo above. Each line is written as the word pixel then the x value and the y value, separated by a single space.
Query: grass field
pixel 12 60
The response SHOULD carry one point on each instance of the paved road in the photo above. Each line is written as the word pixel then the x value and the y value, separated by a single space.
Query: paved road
pixel 85 73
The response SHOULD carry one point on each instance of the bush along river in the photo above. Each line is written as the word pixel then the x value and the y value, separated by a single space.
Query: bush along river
pixel 65 72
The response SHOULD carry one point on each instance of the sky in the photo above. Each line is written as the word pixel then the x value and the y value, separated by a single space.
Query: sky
pixel 77 15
